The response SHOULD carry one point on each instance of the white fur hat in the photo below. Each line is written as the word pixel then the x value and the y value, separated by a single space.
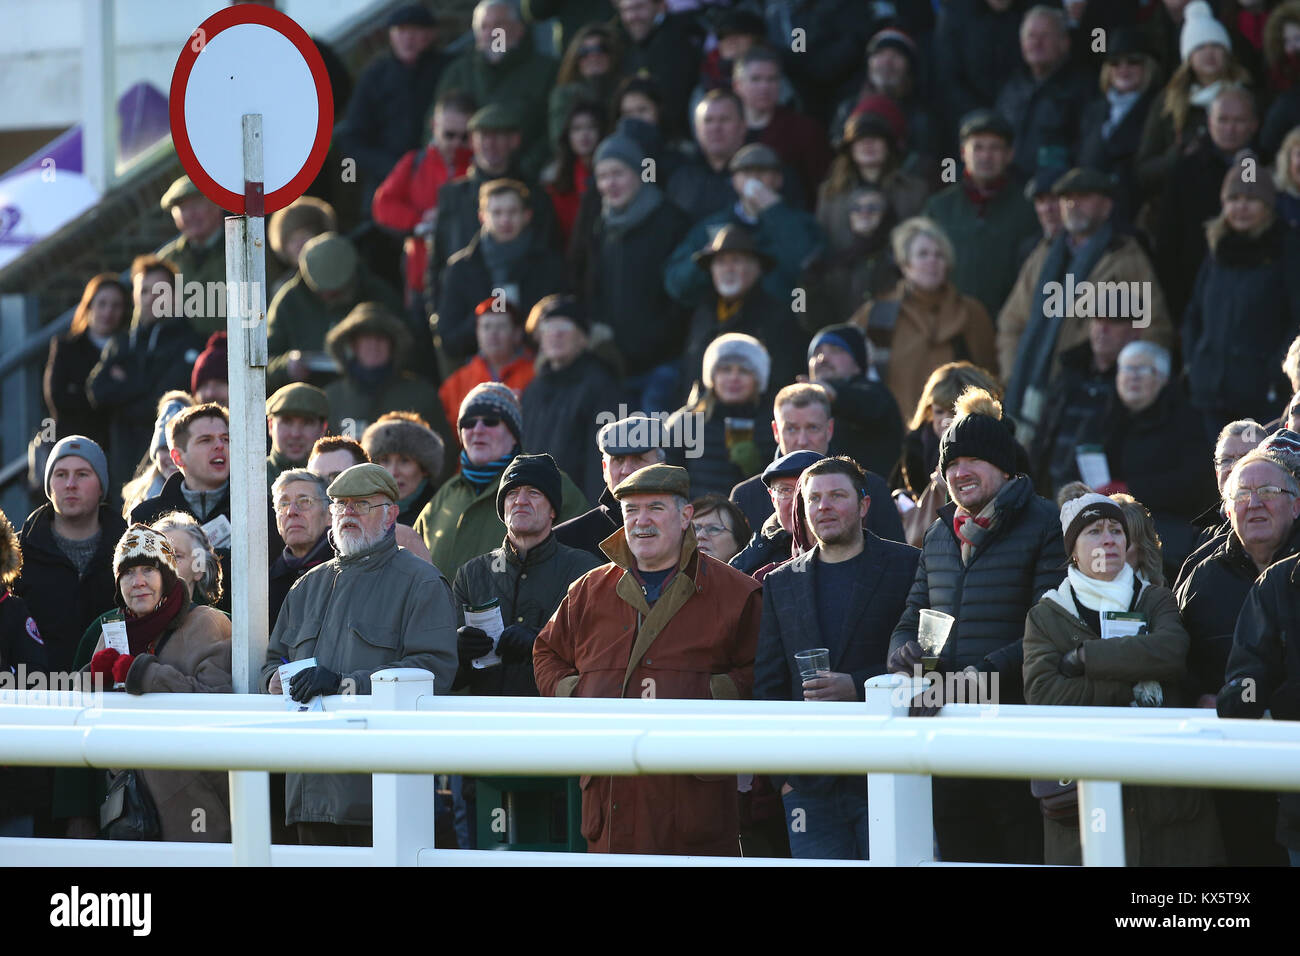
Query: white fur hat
pixel 1200 28
pixel 741 349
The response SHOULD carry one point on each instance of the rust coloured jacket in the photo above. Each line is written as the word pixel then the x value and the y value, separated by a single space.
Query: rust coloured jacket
pixel 697 642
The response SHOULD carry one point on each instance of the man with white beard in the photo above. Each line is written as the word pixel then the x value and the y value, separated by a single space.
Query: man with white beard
pixel 372 607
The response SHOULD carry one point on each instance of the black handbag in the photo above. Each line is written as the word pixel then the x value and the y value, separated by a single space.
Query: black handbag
pixel 128 812
pixel 1057 799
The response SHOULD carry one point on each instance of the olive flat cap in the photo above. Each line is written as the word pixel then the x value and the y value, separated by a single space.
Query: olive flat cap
pixel 328 262
pixel 655 480
pixel 177 192
pixel 361 481
pixel 1084 180
pixel 494 116
pixel 986 121
pixel 299 398
pixel 754 156
pixel 634 435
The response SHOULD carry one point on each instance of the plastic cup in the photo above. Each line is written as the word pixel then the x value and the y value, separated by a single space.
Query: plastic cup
pixel 813 662
pixel 932 634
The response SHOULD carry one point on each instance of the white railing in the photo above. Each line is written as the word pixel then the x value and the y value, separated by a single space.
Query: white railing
pixel 403 734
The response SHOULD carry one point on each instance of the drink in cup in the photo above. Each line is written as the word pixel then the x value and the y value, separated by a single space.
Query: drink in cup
pixel 932 633
pixel 738 430
pixel 814 662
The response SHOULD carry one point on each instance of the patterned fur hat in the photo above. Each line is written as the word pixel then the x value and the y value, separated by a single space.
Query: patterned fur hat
pixel 405 433
pixel 11 556
pixel 143 545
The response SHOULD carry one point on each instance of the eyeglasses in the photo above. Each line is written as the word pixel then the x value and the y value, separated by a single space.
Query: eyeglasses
pixel 362 508
pixel 782 494
pixel 1227 461
pixel 1138 370
pixel 489 421
pixel 303 503
pixel 709 530
pixel 1265 494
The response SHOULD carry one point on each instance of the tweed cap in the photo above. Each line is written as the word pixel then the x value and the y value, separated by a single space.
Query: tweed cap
pixel 328 262
pixel 299 398
pixel 754 156
pixel 655 480
pixel 361 481
pixel 177 192
pixel 634 435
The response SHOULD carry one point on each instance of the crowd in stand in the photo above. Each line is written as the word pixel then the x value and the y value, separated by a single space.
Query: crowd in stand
pixel 733 330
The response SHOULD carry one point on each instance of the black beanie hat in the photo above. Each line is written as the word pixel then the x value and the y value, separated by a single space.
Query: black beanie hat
pixel 539 471
pixel 978 435
pixel 848 337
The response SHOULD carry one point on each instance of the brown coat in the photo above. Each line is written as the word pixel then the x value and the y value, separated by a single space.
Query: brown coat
pixel 1123 261
pixel 932 328
pixel 193 657
pixel 1163 826
pixel 697 642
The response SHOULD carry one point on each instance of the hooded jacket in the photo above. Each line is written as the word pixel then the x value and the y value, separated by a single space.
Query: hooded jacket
pixel 696 642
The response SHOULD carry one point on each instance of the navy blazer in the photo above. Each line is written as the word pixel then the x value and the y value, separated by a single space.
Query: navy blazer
pixel 790 623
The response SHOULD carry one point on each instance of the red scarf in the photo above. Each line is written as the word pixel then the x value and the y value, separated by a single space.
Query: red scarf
pixel 980 198
pixel 960 519
pixel 142 632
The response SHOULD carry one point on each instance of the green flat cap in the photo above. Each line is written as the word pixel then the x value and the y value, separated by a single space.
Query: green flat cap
pixel 181 189
pixel 658 479
pixel 1084 180
pixel 328 262
pixel 494 116
pixel 299 398
pixel 361 481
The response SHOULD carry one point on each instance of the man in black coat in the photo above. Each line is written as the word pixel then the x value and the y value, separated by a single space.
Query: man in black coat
pixel 868 424
pixel 665 45
pixel 802 421
pixel 846 593
pixel 387 110
pixel 991 554
pixel 67 547
pixel 626 446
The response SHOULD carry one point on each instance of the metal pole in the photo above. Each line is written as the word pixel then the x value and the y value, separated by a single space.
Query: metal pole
pixel 98 95
pixel 246 327
pixel 250 817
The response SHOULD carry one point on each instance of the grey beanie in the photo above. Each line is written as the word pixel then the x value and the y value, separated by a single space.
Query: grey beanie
pixel 623 148
pixel 82 447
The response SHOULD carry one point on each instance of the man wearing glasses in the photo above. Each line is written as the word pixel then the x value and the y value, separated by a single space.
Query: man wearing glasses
pixel 371 607
pixel 302 517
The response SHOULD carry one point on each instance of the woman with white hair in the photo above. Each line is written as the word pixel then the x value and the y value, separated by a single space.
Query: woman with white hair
pixel 1155 448
pixel 924 322
pixel 197 563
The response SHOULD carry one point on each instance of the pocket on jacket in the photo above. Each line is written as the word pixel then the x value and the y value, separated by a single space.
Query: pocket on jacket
pixel 377 636
pixel 595 790
pixel 306 631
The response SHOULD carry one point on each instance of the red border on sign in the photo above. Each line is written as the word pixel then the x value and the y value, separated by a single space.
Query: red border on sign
pixel 194 45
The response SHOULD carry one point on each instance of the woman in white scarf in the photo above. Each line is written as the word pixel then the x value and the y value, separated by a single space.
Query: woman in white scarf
pixel 1073 655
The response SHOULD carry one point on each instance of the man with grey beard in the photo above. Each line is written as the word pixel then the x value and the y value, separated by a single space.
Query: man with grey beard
pixel 372 607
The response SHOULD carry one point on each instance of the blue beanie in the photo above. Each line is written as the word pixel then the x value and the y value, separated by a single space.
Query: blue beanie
pixel 846 336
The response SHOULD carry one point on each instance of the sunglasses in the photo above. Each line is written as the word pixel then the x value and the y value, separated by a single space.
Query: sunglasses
pixel 459 137
pixel 489 421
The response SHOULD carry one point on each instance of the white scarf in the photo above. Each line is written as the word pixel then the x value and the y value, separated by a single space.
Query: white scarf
pixel 1203 96
pixel 1102 596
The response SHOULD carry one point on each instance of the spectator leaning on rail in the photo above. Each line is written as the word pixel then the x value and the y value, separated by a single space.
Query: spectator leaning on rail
pixel 660 621
pixel 1068 664
pixel 174 646
pixel 1263 502
pixel 992 553
pixel 373 606
pixel 846 593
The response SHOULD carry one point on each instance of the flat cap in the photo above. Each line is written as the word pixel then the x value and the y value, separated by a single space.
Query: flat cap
pixel 410 15
pixel 754 156
pixel 655 480
pixel 1041 183
pixel 1084 180
pixel 986 121
pixel 494 116
pixel 361 481
pixel 634 435
pixel 790 466
pixel 177 192
pixel 328 262
pixel 299 398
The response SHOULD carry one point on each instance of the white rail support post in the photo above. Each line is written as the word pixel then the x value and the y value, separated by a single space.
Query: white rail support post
pixel 250 817
pixel 1101 822
pixel 99 94
pixel 246 333
pixel 401 804
pixel 900 806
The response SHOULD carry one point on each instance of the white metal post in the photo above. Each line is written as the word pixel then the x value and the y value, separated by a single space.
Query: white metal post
pixel 401 804
pixel 246 328
pixel 1101 822
pixel 900 805
pixel 98 95
pixel 250 817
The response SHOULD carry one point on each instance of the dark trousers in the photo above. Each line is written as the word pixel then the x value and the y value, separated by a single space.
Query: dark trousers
pixel 333 834
pixel 987 821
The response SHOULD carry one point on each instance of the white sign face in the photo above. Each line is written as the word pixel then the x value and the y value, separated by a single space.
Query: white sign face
pixel 251 68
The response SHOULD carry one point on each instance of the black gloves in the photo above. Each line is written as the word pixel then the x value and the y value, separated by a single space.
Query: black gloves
pixel 515 645
pixel 471 644
pixel 312 681
pixel 905 659
pixel 1072 664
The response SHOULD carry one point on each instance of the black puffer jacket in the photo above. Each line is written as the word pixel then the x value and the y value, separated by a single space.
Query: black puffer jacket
pixel 529 591
pixel 561 409
pixel 1243 314
pixel 1020 558
pixel 63 602
pixel 1210 597
pixel 22 789
pixel 1265 652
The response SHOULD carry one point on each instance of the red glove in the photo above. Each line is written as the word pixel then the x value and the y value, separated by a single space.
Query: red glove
pixel 121 666
pixel 102 662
